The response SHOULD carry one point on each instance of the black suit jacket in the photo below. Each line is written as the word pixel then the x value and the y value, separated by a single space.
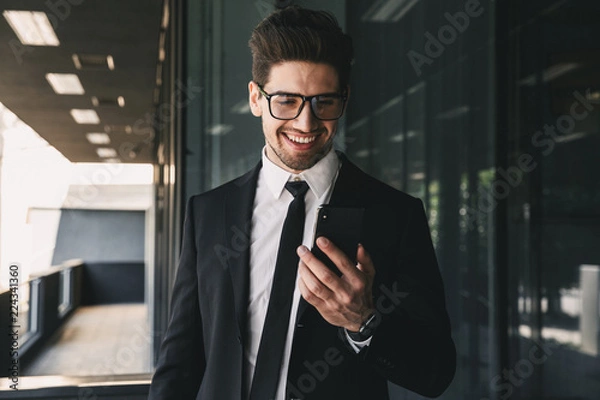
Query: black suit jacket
pixel 203 348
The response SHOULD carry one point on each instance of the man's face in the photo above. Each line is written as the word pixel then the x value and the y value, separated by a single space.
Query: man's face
pixel 297 144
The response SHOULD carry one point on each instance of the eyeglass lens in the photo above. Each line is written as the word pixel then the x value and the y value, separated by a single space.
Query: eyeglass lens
pixel 287 106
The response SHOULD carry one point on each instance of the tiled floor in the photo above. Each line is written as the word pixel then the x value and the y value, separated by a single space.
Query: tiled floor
pixel 98 340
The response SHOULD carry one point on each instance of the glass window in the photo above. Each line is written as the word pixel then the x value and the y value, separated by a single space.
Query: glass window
pixel 65 291
pixel 555 218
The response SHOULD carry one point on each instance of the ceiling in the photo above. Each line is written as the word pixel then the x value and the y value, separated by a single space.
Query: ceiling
pixel 127 30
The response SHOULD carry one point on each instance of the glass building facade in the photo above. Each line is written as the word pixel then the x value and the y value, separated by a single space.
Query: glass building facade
pixel 487 110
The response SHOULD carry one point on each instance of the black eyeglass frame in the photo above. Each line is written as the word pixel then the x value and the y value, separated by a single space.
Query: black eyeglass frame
pixel 343 96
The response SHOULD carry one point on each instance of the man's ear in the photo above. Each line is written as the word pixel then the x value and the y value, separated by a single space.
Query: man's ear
pixel 347 97
pixel 254 99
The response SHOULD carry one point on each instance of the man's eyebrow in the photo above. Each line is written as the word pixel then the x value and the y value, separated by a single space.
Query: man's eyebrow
pixel 282 92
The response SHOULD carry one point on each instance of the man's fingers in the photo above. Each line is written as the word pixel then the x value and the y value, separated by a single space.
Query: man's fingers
pixel 319 270
pixel 315 290
pixel 365 264
pixel 310 297
pixel 341 260
pixel 340 300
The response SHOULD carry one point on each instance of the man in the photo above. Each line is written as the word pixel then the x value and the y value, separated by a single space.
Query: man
pixel 339 337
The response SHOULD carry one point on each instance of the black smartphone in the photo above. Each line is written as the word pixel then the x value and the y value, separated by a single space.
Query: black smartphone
pixel 341 225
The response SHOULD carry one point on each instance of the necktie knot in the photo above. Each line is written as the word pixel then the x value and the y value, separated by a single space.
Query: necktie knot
pixel 297 188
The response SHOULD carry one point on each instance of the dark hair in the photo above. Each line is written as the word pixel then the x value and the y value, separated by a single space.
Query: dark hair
pixel 298 34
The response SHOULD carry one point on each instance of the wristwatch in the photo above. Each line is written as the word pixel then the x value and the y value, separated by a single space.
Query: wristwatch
pixel 366 329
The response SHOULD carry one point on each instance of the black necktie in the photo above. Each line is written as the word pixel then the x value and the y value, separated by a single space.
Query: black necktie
pixel 272 342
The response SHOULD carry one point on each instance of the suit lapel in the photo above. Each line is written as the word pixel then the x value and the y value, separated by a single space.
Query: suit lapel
pixel 238 224
pixel 349 186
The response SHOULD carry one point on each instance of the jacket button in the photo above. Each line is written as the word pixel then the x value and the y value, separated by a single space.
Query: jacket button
pixel 387 363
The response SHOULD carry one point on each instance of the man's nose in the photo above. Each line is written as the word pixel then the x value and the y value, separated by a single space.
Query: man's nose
pixel 306 121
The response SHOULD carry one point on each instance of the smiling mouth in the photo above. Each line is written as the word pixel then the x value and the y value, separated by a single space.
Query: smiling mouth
pixel 301 139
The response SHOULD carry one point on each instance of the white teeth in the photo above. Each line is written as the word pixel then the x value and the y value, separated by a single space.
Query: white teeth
pixel 302 139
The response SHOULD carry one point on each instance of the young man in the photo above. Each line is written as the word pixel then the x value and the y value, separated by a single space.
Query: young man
pixel 254 314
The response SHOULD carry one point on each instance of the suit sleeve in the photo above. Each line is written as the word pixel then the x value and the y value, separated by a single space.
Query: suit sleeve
pixel 181 363
pixel 411 345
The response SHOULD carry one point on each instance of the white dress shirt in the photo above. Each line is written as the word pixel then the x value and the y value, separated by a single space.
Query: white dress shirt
pixel 270 209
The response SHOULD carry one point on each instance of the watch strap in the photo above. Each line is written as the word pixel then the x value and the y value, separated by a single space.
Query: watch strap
pixel 365 331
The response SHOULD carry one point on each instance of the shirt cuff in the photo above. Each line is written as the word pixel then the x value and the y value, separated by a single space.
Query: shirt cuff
pixel 357 346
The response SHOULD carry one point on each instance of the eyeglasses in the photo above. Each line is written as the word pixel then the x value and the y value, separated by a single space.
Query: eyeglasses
pixel 286 106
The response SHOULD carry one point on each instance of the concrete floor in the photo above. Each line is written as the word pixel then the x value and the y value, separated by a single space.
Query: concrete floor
pixel 98 340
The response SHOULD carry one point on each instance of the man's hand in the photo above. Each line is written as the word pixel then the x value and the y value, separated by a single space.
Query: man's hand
pixel 345 301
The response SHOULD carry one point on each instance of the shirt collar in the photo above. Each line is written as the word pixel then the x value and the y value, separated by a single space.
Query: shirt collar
pixel 319 177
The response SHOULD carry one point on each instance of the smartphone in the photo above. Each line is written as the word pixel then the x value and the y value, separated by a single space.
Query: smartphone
pixel 341 225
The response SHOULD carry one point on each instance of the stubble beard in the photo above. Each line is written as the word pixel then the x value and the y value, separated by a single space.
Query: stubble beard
pixel 301 164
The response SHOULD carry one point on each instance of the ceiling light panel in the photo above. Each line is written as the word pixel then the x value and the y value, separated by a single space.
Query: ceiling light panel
pixel 98 138
pixel 65 83
pixel 96 62
pixel 85 116
pixel 108 102
pixel 33 28
pixel 118 129
pixel 106 152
